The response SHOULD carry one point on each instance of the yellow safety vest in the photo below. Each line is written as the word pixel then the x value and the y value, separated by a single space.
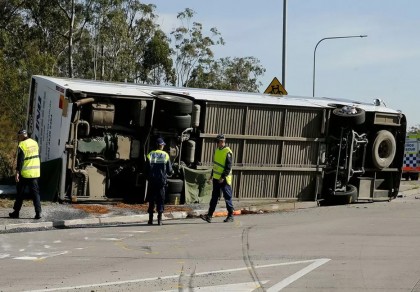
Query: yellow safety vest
pixel 219 164
pixel 31 167
pixel 158 157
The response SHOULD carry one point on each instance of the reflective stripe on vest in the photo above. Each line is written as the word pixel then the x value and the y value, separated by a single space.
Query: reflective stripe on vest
pixel 219 164
pixel 31 167
pixel 158 157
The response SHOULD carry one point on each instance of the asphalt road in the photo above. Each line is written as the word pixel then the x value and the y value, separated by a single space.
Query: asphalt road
pixel 360 247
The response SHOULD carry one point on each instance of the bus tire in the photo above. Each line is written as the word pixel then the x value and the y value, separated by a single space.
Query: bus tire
pixel 348 196
pixel 175 185
pixel 174 104
pixel 352 193
pixel 179 122
pixel 348 119
pixel 174 199
pixel 383 150
pixel 165 121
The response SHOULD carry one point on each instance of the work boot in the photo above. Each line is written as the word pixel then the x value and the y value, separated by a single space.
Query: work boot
pixel 160 219
pixel 229 218
pixel 150 222
pixel 14 214
pixel 37 216
pixel 206 218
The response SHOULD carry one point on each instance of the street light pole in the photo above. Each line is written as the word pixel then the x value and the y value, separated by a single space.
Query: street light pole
pixel 330 38
pixel 283 63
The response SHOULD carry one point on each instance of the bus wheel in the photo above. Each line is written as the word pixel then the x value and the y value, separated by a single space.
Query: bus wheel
pixel 349 115
pixel 348 196
pixel 165 121
pixel 174 104
pixel 351 192
pixel 175 185
pixel 383 150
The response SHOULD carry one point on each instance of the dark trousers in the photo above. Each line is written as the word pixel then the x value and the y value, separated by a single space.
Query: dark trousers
pixel 227 195
pixel 156 197
pixel 32 183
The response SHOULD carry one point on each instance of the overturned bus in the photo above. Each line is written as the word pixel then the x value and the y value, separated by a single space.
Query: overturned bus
pixel 94 137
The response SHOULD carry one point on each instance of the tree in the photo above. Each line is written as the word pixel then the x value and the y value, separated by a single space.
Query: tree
pixel 414 129
pixel 121 31
pixel 11 114
pixel 192 48
pixel 157 63
pixel 77 14
pixel 108 40
pixel 240 74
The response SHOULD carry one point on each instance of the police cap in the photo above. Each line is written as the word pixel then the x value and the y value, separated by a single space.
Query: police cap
pixel 23 132
pixel 160 141
pixel 220 137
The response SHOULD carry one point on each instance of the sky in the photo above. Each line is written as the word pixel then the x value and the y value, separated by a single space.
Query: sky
pixel 384 65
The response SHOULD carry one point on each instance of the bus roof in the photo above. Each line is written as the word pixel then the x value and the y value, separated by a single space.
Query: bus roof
pixel 134 89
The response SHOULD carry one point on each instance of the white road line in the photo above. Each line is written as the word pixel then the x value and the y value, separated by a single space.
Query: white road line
pixel 138 231
pixel 244 287
pixel 315 263
pixel 111 239
pixel 47 255
pixel 280 285
pixel 4 255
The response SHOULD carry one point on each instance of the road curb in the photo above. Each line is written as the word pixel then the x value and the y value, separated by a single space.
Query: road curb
pixel 141 218
pixel 124 219
pixel 76 222
pixel 175 215
pixel 28 225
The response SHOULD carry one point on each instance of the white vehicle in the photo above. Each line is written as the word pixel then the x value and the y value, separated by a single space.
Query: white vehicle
pixel 94 137
pixel 411 166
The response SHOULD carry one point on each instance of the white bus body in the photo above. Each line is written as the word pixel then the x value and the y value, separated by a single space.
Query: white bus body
pixel 94 137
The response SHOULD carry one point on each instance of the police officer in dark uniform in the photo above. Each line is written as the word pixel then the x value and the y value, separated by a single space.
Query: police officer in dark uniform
pixel 157 170
pixel 222 179
pixel 28 170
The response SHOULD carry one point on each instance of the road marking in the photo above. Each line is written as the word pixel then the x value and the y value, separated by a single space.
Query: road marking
pixel 314 264
pixel 138 231
pixel 279 286
pixel 245 287
pixel 111 239
pixel 34 258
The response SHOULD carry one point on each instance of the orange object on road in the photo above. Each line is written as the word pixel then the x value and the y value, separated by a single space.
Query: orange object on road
pixel 225 213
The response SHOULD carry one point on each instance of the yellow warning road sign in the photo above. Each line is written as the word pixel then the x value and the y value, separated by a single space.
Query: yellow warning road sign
pixel 275 87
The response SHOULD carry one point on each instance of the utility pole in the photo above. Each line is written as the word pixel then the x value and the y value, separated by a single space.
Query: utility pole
pixel 283 74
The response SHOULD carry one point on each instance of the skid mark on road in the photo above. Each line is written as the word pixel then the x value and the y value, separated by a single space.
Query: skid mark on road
pixel 247 259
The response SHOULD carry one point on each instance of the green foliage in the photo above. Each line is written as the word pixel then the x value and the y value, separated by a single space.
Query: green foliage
pixel 192 48
pixel 117 40
pixel 11 115
pixel 157 63
pixel 414 130
pixel 240 74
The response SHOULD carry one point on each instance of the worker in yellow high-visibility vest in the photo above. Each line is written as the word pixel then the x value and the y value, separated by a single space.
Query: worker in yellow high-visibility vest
pixel 222 179
pixel 28 170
